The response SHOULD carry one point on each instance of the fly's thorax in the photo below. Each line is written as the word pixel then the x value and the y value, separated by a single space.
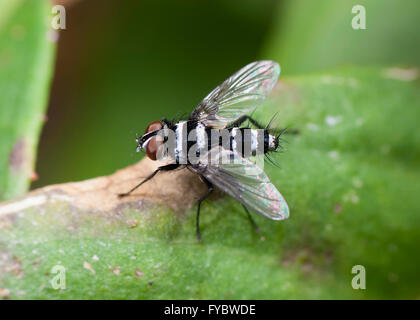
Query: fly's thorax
pixel 179 141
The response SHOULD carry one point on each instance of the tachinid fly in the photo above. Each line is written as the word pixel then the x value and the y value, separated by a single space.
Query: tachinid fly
pixel 212 143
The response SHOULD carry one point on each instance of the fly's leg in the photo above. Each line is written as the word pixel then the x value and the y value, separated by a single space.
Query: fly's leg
pixel 209 190
pixel 254 224
pixel 168 167
pixel 244 118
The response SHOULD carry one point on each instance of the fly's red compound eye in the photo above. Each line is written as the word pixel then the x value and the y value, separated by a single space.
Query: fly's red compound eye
pixel 153 143
pixel 155 125
pixel 152 148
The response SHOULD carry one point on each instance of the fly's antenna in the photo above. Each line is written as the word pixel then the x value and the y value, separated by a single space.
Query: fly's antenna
pixel 139 148
pixel 137 138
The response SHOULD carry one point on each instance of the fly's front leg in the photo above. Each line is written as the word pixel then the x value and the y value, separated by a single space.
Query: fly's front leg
pixel 168 167
pixel 209 190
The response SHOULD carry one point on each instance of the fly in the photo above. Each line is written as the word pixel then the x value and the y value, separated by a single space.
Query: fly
pixel 224 110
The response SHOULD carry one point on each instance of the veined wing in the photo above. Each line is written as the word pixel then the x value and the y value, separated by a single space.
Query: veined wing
pixel 244 181
pixel 239 94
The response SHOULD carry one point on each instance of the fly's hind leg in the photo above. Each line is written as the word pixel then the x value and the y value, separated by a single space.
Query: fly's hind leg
pixel 258 125
pixel 168 167
pixel 254 224
pixel 209 190
pixel 244 118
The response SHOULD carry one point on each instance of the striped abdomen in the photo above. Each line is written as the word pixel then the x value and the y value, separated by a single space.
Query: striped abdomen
pixel 193 138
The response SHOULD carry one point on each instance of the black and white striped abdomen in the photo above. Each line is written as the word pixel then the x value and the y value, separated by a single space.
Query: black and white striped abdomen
pixel 249 142
pixel 194 138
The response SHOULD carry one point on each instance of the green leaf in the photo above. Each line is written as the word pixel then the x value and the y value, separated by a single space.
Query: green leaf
pixel 350 178
pixel 26 60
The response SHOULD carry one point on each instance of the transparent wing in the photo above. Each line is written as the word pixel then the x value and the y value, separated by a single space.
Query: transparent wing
pixel 238 95
pixel 244 181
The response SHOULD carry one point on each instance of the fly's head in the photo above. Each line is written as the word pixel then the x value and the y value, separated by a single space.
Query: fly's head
pixel 149 141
